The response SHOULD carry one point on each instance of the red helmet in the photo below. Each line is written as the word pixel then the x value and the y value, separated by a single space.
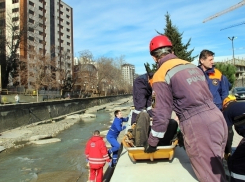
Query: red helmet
pixel 160 41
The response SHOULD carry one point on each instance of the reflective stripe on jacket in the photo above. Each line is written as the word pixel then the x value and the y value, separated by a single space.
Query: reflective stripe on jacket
pixel 96 151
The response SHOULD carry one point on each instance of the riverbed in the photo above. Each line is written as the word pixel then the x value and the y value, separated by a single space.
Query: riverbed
pixel 61 161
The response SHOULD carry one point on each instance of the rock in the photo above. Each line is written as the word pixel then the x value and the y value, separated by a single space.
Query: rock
pixel 40 142
pixel 39 137
pixel 74 116
pixel 88 116
pixel 2 148
pixel 104 133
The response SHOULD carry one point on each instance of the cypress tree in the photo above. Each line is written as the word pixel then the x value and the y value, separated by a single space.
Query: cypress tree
pixel 180 49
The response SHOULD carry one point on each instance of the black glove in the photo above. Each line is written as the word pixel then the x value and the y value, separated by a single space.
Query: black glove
pixel 149 149
pixel 181 139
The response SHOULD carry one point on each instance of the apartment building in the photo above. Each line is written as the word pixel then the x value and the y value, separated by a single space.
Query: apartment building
pixel 46 30
pixel 128 72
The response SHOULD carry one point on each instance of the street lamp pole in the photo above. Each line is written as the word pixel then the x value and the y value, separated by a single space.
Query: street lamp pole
pixel 232 38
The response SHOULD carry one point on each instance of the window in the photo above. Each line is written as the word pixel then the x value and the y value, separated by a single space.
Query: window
pixel 61 5
pixel 31 12
pixel 15 28
pixel 31 3
pixel 2 23
pixel 61 19
pixel 31 47
pixel 40 25
pixel 40 33
pixel 15 19
pixel 15 10
pixel 2 5
pixel 31 20
pixel 67 16
pixel 68 36
pixel 31 38
pixel 68 50
pixel 40 8
pixel 31 29
pixel 31 56
pixel 68 30
pixel 2 14
pixel 68 43
pixel 68 23
pixel 61 12
pixel 40 16
pixel 61 26
pixel 67 9
pixel 15 37
pixel 15 1
pixel 40 41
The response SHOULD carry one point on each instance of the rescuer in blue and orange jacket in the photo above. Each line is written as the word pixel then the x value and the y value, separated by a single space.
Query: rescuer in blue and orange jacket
pixel 142 93
pixel 218 84
pixel 181 86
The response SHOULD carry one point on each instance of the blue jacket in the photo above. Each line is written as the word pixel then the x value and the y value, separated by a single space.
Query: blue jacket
pixel 233 110
pixel 117 127
pixel 218 85
pixel 142 96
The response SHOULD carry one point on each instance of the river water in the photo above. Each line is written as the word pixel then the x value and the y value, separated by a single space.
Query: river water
pixel 62 161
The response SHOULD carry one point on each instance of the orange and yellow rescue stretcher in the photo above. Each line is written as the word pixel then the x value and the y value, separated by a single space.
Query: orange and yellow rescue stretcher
pixel 137 153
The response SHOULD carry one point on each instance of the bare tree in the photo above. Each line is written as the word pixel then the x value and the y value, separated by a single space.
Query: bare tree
pixel 86 73
pixel 13 43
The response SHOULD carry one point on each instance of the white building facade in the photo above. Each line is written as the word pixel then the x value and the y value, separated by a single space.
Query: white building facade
pixel 128 72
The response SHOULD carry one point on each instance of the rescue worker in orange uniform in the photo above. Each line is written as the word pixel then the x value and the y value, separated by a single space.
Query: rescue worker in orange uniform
pixel 234 115
pixel 218 84
pixel 181 86
pixel 97 156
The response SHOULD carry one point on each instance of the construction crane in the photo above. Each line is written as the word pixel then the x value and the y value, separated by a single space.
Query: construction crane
pixel 233 25
pixel 225 11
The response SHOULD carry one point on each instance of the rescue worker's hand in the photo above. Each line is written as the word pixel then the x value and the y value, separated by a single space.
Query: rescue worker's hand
pixel 149 149
pixel 180 139
pixel 227 156
pixel 110 164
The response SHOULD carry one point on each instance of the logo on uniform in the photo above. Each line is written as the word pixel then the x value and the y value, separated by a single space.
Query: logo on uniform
pixel 92 144
pixel 215 82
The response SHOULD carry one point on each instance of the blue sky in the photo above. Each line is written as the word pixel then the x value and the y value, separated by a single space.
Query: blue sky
pixel 113 28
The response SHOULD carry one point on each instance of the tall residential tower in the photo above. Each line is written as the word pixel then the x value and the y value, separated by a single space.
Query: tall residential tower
pixel 128 72
pixel 45 33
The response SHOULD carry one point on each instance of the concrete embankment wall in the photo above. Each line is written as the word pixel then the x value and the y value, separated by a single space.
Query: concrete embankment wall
pixel 16 115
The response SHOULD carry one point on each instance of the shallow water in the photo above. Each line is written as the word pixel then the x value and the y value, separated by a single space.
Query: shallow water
pixel 62 161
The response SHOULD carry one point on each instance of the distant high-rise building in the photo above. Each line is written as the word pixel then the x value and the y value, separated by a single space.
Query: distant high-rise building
pixel 128 72
pixel 44 29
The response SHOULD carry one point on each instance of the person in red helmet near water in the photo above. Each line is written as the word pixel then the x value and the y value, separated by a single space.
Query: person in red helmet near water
pixel 181 86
